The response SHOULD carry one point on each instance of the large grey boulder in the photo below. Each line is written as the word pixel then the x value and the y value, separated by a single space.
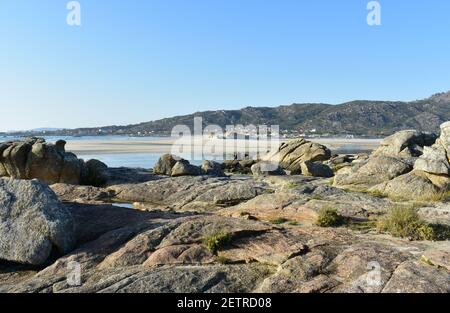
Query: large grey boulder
pixel 238 166
pixel 434 160
pixel 184 168
pixel 33 223
pixel 212 168
pixel 430 177
pixel 406 143
pixel 408 186
pixel 316 169
pixel 165 164
pixel 171 165
pixel 376 170
pixel 94 173
pixel 407 165
pixel 34 158
pixel 266 169
pixel 444 139
pixel 292 154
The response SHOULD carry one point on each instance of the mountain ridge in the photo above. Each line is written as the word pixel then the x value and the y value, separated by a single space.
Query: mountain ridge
pixel 358 117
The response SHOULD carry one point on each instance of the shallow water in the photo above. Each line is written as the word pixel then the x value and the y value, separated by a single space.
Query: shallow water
pixel 144 160
pixel 123 151
pixel 123 205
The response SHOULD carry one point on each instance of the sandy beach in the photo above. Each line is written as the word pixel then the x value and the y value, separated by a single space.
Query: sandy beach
pixel 166 145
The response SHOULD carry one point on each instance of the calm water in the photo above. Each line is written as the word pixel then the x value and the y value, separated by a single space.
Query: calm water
pixel 145 160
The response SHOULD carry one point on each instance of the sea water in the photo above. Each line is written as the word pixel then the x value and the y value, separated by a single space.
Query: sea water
pixel 145 159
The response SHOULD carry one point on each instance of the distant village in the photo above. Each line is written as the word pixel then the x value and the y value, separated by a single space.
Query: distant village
pixel 244 132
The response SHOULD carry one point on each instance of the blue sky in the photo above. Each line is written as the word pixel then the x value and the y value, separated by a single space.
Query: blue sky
pixel 134 61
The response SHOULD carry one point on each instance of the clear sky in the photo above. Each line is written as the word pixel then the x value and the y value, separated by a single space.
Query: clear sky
pixel 140 60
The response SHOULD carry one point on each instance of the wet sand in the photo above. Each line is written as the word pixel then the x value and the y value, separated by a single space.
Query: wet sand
pixel 167 145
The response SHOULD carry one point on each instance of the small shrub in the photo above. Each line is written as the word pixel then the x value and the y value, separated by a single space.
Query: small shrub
pixel 406 223
pixel 279 220
pixel 293 223
pixel 329 217
pixel 401 222
pixel 426 232
pixel 216 241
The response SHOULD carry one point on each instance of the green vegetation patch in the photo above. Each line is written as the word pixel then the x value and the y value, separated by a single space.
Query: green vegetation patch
pixel 279 220
pixel 329 217
pixel 405 222
pixel 217 241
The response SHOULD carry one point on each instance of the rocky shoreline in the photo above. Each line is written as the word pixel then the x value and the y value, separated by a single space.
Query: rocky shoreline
pixel 240 226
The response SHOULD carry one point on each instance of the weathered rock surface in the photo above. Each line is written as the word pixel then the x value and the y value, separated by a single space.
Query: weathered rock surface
pixel 165 164
pixel 126 175
pixel 184 168
pixel 94 173
pixel 430 177
pixel 439 258
pixel 404 167
pixel 188 193
pixel 339 162
pixel 270 242
pixel 125 250
pixel 292 154
pixel 50 163
pixel 238 166
pixel 434 161
pixel 376 170
pixel 33 222
pixel 266 169
pixel 212 168
pixel 316 169
pixel 170 165
pixel 436 213
pixel 416 277
pixel 297 199
pixel 408 186
pixel 406 144
pixel 82 194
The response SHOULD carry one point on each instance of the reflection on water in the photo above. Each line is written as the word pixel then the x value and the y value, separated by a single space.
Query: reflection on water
pixel 123 205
